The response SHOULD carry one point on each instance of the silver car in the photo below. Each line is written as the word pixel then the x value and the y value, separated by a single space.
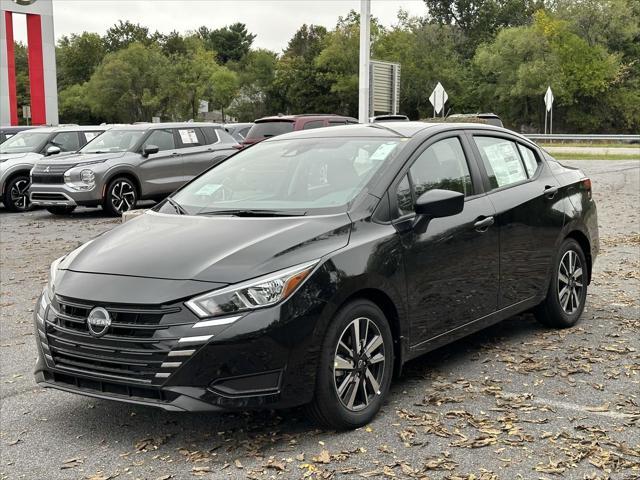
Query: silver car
pixel 129 163
pixel 19 154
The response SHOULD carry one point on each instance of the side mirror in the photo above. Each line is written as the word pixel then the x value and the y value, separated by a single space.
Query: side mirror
pixel 439 203
pixel 150 150
pixel 53 150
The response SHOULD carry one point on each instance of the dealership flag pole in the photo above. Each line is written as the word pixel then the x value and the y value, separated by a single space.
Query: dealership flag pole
pixel 365 47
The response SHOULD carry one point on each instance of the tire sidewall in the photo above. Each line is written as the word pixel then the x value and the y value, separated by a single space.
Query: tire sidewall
pixel 565 319
pixel 325 387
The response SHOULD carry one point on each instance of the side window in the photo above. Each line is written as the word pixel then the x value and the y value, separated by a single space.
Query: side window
pixel 190 137
pixel 66 141
pixel 210 135
pixel 501 160
pixel 313 124
pixel 88 136
pixel 403 194
pixel 333 123
pixel 443 165
pixel 529 158
pixel 163 139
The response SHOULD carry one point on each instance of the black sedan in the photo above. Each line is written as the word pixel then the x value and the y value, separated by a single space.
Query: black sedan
pixel 309 268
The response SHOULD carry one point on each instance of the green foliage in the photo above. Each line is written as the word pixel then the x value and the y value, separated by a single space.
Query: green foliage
pixel 490 55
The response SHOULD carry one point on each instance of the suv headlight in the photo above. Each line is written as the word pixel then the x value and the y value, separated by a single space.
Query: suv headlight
pixel 87 176
pixel 83 180
pixel 257 293
pixel 53 271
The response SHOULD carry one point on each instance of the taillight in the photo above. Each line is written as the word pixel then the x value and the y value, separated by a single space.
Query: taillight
pixel 586 186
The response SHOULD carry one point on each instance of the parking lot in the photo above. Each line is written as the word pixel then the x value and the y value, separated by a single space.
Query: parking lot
pixel 514 401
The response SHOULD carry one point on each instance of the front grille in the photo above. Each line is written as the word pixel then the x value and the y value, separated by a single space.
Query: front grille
pixel 134 348
pixel 56 197
pixel 47 179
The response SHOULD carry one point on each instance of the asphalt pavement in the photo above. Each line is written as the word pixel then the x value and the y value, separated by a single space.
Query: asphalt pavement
pixel 516 401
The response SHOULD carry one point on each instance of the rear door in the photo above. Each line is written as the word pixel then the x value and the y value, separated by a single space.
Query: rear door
pixel 161 173
pixel 529 212
pixel 452 266
pixel 195 151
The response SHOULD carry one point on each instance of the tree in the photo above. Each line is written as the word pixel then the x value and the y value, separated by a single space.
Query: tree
pixel 230 43
pixel 77 58
pixel 256 73
pixel 306 42
pixel 225 88
pixel 130 85
pixel 74 106
pixel 123 34
pixel 23 93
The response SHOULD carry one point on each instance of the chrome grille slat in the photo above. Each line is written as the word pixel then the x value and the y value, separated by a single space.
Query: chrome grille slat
pixel 117 338
pixel 116 349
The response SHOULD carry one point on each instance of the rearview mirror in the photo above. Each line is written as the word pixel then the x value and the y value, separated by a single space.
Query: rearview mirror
pixel 440 203
pixel 150 150
pixel 53 150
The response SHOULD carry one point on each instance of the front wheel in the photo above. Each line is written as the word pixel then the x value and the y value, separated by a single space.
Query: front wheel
pixel 356 366
pixel 567 292
pixel 121 196
pixel 16 194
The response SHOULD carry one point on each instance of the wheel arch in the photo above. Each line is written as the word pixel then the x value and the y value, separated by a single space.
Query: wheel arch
pixel 126 174
pixel 585 244
pixel 15 173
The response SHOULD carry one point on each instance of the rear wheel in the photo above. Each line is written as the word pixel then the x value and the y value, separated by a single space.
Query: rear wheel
pixel 121 196
pixel 356 365
pixel 61 210
pixel 567 292
pixel 16 194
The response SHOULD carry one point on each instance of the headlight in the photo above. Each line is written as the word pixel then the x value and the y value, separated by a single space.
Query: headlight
pixel 87 176
pixel 53 271
pixel 257 293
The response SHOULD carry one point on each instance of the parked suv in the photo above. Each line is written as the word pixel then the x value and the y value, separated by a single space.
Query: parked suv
pixel 19 153
pixel 272 126
pixel 130 163
pixel 9 131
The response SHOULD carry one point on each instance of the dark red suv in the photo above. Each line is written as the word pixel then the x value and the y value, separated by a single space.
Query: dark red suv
pixel 271 126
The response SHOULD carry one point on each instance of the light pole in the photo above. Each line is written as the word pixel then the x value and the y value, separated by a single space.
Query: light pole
pixel 365 54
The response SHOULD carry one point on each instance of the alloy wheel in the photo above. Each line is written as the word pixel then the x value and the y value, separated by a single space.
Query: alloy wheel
pixel 358 367
pixel 570 282
pixel 19 194
pixel 123 196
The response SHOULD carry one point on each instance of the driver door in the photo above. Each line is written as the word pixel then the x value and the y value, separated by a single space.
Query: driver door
pixel 452 265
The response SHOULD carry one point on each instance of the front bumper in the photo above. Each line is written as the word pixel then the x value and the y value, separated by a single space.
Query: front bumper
pixel 265 359
pixel 49 195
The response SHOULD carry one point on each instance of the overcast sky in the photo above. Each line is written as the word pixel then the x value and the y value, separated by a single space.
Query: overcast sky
pixel 273 21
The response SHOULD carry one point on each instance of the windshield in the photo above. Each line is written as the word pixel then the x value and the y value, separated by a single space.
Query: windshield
pixel 114 141
pixel 299 175
pixel 25 142
pixel 270 129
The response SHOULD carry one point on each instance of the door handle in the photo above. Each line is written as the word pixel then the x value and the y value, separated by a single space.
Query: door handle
pixel 483 224
pixel 174 154
pixel 550 191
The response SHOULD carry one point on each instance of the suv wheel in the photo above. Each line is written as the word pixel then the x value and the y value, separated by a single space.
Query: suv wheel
pixel 121 196
pixel 16 194
pixel 61 210
pixel 567 292
pixel 356 366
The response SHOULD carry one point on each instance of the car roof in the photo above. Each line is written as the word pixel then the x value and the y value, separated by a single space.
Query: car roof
pixel 73 128
pixel 291 118
pixel 389 129
pixel 155 126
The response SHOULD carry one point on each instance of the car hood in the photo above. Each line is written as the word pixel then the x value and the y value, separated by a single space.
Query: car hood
pixel 220 249
pixel 23 157
pixel 82 158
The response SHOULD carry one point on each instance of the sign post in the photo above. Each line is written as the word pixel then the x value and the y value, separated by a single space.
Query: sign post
pixel 26 112
pixel 365 54
pixel 438 99
pixel 548 102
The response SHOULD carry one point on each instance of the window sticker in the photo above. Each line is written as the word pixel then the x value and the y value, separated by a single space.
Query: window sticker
pixel 209 189
pixel 505 162
pixel 90 135
pixel 188 136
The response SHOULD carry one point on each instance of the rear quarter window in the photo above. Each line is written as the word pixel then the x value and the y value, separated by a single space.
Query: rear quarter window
pixel 270 129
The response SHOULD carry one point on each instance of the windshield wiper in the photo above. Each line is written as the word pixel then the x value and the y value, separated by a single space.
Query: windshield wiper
pixel 256 213
pixel 178 208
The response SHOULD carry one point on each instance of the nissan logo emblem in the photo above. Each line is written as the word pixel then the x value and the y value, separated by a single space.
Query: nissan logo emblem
pixel 98 322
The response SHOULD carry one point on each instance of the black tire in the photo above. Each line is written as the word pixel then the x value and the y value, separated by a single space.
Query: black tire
pixel 16 194
pixel 327 407
pixel 567 292
pixel 61 210
pixel 120 196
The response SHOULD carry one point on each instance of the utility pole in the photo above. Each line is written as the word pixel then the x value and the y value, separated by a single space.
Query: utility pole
pixel 365 59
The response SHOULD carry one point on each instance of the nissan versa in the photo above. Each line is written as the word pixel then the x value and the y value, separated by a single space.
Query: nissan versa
pixel 308 268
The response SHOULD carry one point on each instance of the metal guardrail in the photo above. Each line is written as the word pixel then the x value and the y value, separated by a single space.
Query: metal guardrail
pixel 569 136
